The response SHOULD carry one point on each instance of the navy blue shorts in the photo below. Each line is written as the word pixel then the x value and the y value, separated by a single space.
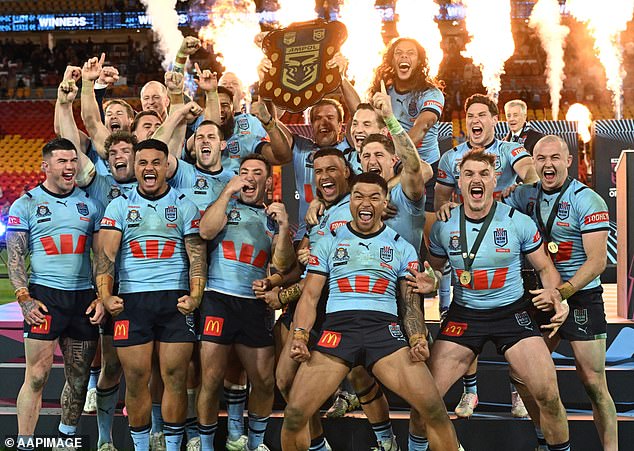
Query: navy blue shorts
pixel 360 337
pixel 66 316
pixel 153 316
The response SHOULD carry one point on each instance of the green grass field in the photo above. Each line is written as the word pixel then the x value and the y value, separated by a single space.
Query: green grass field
pixel 6 290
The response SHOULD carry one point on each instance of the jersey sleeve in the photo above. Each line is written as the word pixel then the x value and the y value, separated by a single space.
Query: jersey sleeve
pixel 593 211
pixel 517 198
pixel 318 260
pixel 183 175
pixel 398 198
pixel 19 215
pixel 516 152
pixel 529 237
pixel 435 244
pixel 409 260
pixel 191 219
pixel 113 217
pixel 100 210
pixel 445 171
pixel 433 101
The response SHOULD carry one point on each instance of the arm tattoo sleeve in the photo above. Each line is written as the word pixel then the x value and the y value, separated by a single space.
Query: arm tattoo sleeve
pixel 290 294
pixel 197 253
pixel 104 273
pixel 413 318
pixel 406 150
pixel 18 248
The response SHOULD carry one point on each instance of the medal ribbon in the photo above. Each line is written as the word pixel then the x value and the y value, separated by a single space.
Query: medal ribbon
pixel 469 257
pixel 553 212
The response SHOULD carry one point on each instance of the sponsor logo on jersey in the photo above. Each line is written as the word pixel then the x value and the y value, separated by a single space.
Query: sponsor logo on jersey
pixel 442 174
pixel 242 123
pixel 432 102
pixel 171 213
pixel 82 208
pixel 233 147
pixel 234 216
pixel 563 210
pixel 213 326
pixel 454 243
pixel 335 225
pixel 133 215
pixel 44 327
pixel 313 260
pixel 105 221
pixel 201 183
pixel 341 254
pixel 195 224
pixel 13 221
pixel 536 237
pixel 500 237
pixel 329 339
pixel 386 254
pixel 518 150
pixel 412 108
pixel 115 192
pixel 413 265
pixel 42 211
pixel 594 218
pixel 121 330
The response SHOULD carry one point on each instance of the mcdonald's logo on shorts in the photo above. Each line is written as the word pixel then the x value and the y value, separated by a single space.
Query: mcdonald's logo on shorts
pixel 121 330
pixel 453 329
pixel 213 326
pixel 43 328
pixel 329 339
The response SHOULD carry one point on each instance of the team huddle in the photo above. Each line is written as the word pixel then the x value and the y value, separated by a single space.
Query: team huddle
pixel 153 238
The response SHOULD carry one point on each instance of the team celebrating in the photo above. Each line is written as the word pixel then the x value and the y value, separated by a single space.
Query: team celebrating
pixel 157 254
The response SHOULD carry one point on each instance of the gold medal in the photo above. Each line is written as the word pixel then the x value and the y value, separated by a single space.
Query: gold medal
pixel 465 278
pixel 553 247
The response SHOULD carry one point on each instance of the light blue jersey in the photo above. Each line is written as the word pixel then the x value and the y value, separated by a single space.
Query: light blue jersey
pixel 241 252
pixel 105 188
pixel 335 216
pixel 496 270
pixel 60 229
pixel 152 254
pixel 200 186
pixel 506 155
pixel 407 107
pixel 102 167
pixel 363 271
pixel 303 152
pixel 580 210
pixel 409 222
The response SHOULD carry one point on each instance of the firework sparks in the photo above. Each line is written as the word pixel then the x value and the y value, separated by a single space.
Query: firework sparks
pixel 416 20
pixel 489 25
pixel 580 114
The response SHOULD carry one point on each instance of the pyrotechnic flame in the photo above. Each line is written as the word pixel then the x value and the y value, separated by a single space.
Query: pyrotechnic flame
pixel 233 25
pixel 605 22
pixel 581 114
pixel 546 19
pixel 165 24
pixel 295 11
pixel 416 20
pixel 488 23
pixel 364 46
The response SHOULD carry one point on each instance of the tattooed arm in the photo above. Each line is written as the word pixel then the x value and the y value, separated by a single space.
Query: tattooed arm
pixel 18 249
pixel 196 249
pixel 105 257
pixel 413 321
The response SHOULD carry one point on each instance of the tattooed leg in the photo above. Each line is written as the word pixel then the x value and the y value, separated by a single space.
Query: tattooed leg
pixel 78 355
pixel 39 359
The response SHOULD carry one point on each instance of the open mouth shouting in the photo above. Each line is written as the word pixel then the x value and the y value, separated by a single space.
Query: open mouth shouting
pixel 403 68
pixel 365 216
pixel 68 176
pixel 120 167
pixel 358 139
pixel 249 190
pixel 375 170
pixel 328 188
pixel 115 125
pixel 150 179
pixel 477 192
pixel 477 132
pixel 549 175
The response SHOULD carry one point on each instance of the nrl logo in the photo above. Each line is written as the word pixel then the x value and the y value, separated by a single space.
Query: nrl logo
pixel 299 77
